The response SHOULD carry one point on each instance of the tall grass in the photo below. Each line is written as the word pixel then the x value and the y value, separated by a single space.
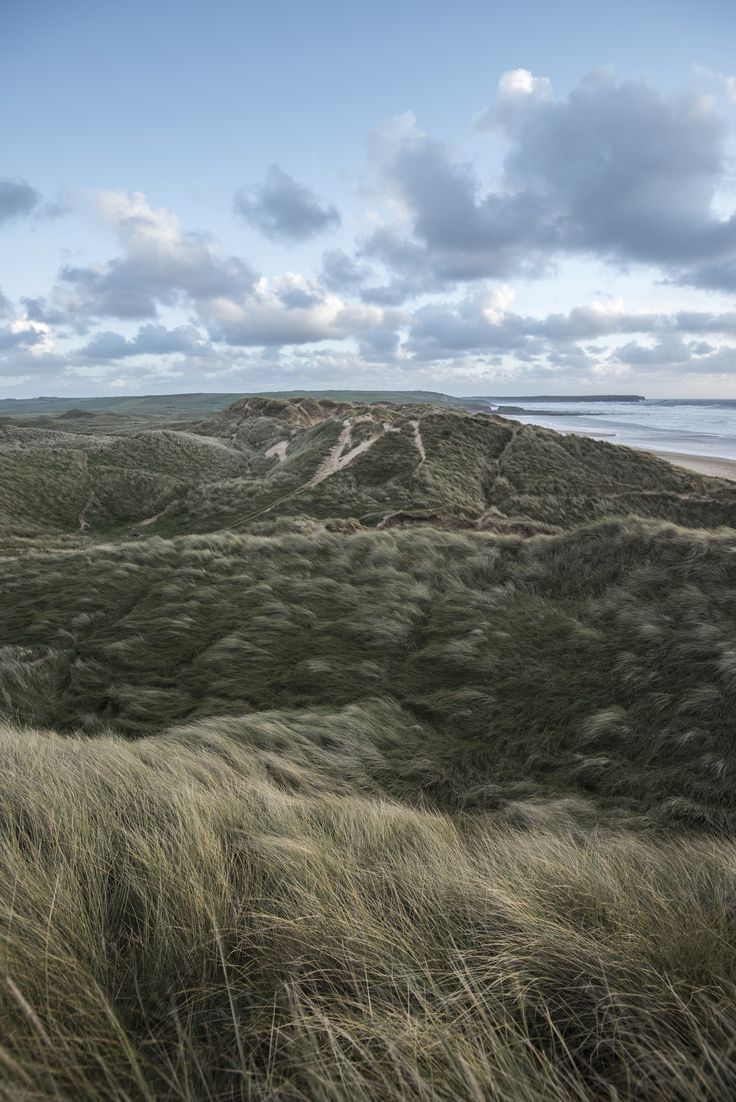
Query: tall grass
pixel 324 812
pixel 175 924
pixel 596 663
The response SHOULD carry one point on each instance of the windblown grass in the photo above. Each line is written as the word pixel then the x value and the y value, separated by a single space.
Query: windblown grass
pixel 175 924
pixel 337 807
pixel 596 663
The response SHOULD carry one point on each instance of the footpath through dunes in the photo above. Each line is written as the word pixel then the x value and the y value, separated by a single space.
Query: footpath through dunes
pixel 281 464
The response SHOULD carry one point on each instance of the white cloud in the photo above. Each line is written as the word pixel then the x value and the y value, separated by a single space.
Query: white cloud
pixel 42 343
pixel 614 171
pixel 161 264
pixel 498 303
pixel 520 82
pixel 612 176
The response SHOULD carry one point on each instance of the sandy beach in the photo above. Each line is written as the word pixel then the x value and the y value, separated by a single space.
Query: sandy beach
pixel 703 464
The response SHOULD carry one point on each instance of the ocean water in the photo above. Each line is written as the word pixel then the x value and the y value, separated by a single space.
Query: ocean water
pixel 695 427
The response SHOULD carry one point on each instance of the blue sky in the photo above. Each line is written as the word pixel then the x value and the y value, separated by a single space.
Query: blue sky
pixel 476 198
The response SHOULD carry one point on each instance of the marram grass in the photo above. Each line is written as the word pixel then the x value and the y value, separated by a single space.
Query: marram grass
pixel 174 924
pixel 411 777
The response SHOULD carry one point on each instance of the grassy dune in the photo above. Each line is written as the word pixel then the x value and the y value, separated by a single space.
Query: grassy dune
pixel 423 464
pixel 598 662
pixel 397 762
pixel 179 921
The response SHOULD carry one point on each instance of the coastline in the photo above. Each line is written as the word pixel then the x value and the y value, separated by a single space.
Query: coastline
pixel 702 464
pixel 713 466
pixel 662 440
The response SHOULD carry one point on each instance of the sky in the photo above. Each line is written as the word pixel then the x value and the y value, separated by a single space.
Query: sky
pixel 475 198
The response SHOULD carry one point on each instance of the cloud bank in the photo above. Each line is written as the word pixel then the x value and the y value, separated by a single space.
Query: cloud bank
pixel 615 174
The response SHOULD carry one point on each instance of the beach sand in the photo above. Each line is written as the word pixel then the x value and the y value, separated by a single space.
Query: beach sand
pixel 703 464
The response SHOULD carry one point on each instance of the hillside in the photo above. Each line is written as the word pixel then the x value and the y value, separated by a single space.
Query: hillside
pixel 356 751
pixel 283 463
pixel 454 654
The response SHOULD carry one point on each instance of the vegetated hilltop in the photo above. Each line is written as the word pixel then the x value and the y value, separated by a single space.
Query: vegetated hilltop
pixel 359 752
pixel 277 462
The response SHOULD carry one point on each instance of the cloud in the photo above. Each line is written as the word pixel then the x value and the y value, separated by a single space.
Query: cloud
pixel 38 309
pixel 17 198
pixel 150 339
pixel 626 173
pixel 20 335
pixel 676 356
pixel 717 275
pixel 294 291
pixel 381 345
pixel 285 210
pixel 287 311
pixel 412 274
pixel 341 272
pixel 483 323
pixel 521 84
pixel 6 306
pixel 614 171
pixel 456 234
pixel 160 264
pixel 518 89
pixel 477 323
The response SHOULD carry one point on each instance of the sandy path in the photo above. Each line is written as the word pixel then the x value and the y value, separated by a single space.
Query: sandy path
pixel 328 465
pixel 502 454
pixel 418 442
pixel 83 523
pixel 278 450
pixel 339 459
pixel 150 520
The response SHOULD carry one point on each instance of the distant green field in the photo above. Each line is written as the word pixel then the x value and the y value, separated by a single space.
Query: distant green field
pixel 199 405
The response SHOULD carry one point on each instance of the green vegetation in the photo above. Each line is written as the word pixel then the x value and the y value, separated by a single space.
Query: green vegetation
pixel 200 405
pixel 360 752
pixel 596 664
pixel 185 918
pixel 383 463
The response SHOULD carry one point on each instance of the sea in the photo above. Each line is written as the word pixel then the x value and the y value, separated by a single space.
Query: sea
pixel 704 427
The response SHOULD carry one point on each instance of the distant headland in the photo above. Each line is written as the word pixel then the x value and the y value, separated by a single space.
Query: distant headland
pixel 560 398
